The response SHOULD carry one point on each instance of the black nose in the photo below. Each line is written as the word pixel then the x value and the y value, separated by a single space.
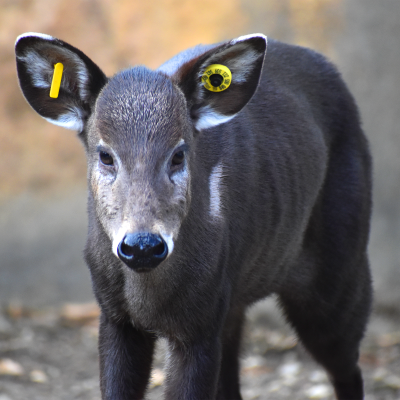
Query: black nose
pixel 142 251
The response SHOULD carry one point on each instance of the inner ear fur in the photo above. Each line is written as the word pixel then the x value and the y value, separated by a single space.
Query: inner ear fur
pixel 81 81
pixel 244 57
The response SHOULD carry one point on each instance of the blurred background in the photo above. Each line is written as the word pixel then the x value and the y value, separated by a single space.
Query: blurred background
pixel 42 167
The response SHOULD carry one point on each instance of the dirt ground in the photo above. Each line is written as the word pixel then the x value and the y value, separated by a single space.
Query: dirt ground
pixel 52 354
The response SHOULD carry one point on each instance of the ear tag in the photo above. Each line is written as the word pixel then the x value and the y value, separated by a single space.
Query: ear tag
pixel 56 82
pixel 216 78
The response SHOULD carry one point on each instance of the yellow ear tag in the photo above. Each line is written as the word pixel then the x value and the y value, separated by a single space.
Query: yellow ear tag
pixel 56 82
pixel 216 78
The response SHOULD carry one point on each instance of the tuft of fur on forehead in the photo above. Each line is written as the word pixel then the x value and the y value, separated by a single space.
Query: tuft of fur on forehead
pixel 140 103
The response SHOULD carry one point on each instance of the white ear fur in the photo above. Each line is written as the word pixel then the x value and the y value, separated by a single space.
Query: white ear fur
pixel 34 34
pixel 73 120
pixel 210 118
pixel 250 36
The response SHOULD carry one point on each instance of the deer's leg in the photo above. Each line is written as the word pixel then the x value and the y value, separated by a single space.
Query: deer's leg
pixel 125 360
pixel 229 382
pixel 330 317
pixel 193 369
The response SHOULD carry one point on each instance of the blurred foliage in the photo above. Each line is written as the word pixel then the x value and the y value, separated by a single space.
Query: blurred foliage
pixel 40 157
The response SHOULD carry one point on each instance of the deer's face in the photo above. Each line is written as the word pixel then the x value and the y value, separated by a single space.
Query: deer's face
pixel 139 142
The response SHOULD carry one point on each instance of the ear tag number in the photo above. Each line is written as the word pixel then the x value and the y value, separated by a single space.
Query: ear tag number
pixel 56 82
pixel 216 78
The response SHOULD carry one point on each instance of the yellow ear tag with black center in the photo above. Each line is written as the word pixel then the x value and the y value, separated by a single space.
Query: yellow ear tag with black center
pixel 216 78
pixel 56 82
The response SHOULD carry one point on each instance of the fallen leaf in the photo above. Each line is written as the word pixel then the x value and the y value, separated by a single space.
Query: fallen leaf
pixel 389 339
pixel 15 310
pixel 10 367
pixel 392 381
pixel 79 314
pixel 290 369
pixel 318 376
pixel 38 376
pixel 319 392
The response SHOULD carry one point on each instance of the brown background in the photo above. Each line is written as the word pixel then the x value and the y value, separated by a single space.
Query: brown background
pixel 42 166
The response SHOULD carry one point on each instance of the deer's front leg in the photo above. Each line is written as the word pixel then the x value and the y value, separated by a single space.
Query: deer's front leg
pixel 125 360
pixel 193 370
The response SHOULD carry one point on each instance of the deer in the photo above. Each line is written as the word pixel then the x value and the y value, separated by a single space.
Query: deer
pixel 233 172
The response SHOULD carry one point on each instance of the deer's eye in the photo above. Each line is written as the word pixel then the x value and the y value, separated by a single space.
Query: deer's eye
pixel 106 158
pixel 178 158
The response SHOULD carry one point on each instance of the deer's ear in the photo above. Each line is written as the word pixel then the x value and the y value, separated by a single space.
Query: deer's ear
pixel 81 79
pixel 244 58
